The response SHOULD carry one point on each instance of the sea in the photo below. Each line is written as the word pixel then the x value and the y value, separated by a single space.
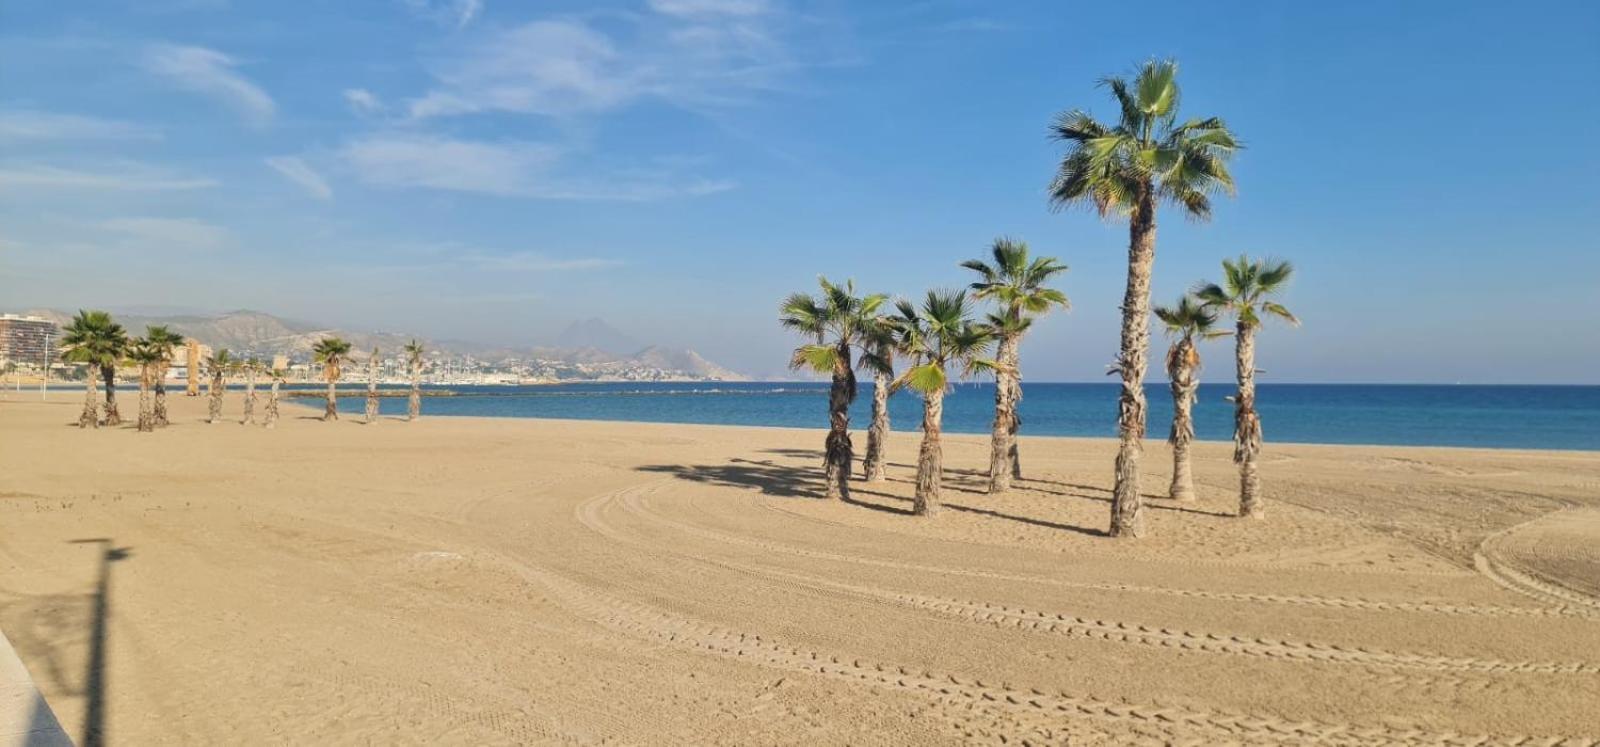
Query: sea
pixel 1521 417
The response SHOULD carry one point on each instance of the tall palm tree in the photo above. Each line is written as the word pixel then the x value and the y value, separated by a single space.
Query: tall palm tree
pixel 148 357
pixel 166 341
pixel 222 363
pixel 250 366
pixel 1125 169
pixel 95 340
pixel 838 320
pixel 271 420
pixel 879 348
pixel 1187 322
pixel 1017 285
pixel 331 352
pixel 372 387
pixel 413 351
pixel 937 336
pixel 1246 294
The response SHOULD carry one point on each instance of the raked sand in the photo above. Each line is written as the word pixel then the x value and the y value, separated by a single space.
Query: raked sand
pixel 523 581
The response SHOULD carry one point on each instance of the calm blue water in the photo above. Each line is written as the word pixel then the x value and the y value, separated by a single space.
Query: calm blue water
pixel 1537 417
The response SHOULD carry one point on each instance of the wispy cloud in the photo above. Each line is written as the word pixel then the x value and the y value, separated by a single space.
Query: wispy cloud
pixel 693 53
pixel 454 13
pixel 296 170
pixel 171 233
pixel 30 125
pixel 512 168
pixel 211 73
pixel 128 177
pixel 363 101
pixel 532 262
pixel 703 8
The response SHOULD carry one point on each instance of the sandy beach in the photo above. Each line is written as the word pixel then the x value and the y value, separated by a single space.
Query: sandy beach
pixel 515 581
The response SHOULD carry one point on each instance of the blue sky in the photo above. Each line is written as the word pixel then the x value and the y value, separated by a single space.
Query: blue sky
pixel 489 170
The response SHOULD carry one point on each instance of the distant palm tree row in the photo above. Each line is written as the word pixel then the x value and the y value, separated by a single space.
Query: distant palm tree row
pixel 1123 170
pixel 98 342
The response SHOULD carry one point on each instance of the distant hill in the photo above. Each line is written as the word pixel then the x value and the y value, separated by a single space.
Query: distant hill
pixel 596 333
pixel 591 344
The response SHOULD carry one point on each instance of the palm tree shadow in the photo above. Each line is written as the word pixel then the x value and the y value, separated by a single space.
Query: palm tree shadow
pixel 769 477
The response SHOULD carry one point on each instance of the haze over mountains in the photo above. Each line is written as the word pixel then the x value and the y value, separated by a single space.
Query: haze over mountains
pixel 590 342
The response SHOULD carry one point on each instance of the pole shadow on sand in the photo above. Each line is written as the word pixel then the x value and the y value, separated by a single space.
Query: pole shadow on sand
pixel 95 681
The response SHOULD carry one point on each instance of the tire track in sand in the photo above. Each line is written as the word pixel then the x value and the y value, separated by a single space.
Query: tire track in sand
pixel 1350 603
pixel 1052 715
pixel 1064 624
pixel 1491 562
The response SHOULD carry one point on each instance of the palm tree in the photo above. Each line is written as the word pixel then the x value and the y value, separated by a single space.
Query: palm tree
pixel 166 341
pixel 1246 293
pixel 331 352
pixel 372 387
pixel 1124 170
pixel 222 363
pixel 413 351
pixel 250 366
pixel 149 357
pixel 272 399
pixel 1017 286
pixel 1187 321
pixel 878 352
pixel 838 320
pixel 939 335
pixel 95 340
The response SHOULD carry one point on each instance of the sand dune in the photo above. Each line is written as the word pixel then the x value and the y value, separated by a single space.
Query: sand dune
pixel 521 581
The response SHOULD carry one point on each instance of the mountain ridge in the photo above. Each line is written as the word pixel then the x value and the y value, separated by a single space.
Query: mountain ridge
pixel 263 334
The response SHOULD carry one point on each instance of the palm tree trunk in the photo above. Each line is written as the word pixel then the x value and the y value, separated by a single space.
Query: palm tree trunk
pixel 147 417
pixel 372 389
pixel 1184 385
pixel 161 396
pixel 272 404
pixel 113 415
pixel 838 451
pixel 414 403
pixel 1007 393
pixel 1247 426
pixel 331 411
pixel 930 460
pixel 1127 505
pixel 249 398
pixel 217 387
pixel 91 414
pixel 878 433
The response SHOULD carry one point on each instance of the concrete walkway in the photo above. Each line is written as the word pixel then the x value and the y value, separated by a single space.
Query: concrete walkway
pixel 25 719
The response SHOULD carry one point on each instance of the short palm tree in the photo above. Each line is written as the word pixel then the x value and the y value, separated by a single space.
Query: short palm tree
pixel 838 320
pixel 95 340
pixel 1017 285
pixel 166 341
pixel 939 335
pixel 878 351
pixel 1147 157
pixel 148 357
pixel 1187 322
pixel 372 387
pixel 271 420
pixel 250 367
pixel 332 353
pixel 1246 294
pixel 413 351
pixel 222 363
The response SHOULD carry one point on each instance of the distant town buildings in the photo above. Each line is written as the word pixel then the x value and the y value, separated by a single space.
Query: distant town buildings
pixel 27 339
